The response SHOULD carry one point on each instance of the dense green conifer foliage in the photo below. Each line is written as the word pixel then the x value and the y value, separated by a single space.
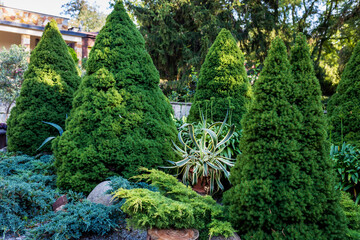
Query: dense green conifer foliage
pixel 120 119
pixel 344 105
pixel 222 82
pixel 272 189
pixel 46 93
pixel 316 163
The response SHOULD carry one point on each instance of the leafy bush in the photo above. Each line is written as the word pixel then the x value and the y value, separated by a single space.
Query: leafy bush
pixel 223 83
pixel 175 206
pixel 352 213
pixel 46 93
pixel 120 118
pixel 347 166
pixel 13 64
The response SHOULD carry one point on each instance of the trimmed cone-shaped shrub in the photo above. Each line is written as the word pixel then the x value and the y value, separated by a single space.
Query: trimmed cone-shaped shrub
pixel 314 146
pixel 344 105
pixel 223 83
pixel 271 188
pixel 120 119
pixel 46 93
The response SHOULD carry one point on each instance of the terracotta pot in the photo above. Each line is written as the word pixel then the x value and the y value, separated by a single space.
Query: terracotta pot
pixel 202 186
pixel 172 234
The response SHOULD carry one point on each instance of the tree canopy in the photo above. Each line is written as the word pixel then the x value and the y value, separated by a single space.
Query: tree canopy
pixel 178 33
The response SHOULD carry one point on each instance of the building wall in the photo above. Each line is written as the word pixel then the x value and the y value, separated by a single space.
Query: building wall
pixel 32 18
pixel 8 39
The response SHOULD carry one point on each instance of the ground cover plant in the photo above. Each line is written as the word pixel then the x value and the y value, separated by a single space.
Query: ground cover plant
pixel 120 118
pixel 28 190
pixel 46 93
pixel 223 84
pixel 272 182
pixel 344 105
pixel 174 206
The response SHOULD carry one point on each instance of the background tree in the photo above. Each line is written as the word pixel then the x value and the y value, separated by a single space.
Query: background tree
pixel 13 64
pixel 222 84
pixel 120 119
pixel 179 33
pixel 344 105
pixel 84 15
pixel 46 93
pixel 271 191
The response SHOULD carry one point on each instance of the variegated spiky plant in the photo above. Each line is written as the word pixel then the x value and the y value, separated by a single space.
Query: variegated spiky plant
pixel 203 158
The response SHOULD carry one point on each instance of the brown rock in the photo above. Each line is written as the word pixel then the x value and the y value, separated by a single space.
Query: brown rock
pixel 61 201
pixel 172 234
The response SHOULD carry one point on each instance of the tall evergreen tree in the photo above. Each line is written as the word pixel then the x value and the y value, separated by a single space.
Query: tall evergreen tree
pixel 46 93
pixel 120 119
pixel 222 82
pixel 272 187
pixel 344 105
pixel 314 146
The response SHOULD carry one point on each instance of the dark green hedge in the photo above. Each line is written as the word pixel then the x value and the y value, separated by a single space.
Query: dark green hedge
pixel 222 82
pixel 46 93
pixel 344 105
pixel 120 119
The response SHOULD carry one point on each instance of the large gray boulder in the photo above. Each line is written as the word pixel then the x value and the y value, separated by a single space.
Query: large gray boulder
pixel 99 195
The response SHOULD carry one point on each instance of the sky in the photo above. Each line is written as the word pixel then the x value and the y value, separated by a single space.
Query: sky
pixel 52 7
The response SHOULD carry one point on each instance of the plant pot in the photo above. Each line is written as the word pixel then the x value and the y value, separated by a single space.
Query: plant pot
pixel 202 186
pixel 2 138
pixel 172 234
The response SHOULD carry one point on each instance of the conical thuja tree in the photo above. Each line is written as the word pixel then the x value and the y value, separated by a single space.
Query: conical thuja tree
pixel 344 105
pixel 46 93
pixel 223 83
pixel 270 190
pixel 323 208
pixel 120 119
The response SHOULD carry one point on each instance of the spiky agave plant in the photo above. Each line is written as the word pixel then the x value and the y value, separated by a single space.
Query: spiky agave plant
pixel 204 158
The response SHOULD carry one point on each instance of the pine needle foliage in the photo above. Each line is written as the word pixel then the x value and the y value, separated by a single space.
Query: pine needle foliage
pixel 46 93
pixel 223 83
pixel 269 197
pixel 174 206
pixel 344 105
pixel 120 119
pixel 323 208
